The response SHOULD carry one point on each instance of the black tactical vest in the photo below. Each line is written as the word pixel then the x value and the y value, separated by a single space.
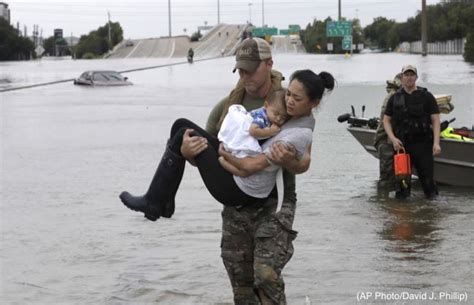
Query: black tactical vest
pixel 411 121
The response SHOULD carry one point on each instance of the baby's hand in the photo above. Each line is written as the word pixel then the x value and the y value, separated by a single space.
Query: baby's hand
pixel 274 129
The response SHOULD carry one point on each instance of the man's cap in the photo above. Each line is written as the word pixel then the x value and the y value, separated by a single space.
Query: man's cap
pixel 409 68
pixel 250 53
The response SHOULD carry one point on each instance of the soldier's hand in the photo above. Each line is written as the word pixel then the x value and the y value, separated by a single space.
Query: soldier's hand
pixel 192 145
pixel 436 149
pixel 397 144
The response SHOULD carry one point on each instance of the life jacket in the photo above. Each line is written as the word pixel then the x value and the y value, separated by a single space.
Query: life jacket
pixel 411 120
pixel 449 133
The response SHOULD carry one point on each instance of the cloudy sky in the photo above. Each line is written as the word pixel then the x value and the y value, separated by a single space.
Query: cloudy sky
pixel 149 18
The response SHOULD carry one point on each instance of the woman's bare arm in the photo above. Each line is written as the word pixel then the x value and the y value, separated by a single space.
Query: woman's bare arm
pixel 242 166
pixel 231 168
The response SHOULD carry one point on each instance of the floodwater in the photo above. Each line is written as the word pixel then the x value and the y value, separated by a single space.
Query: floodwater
pixel 68 151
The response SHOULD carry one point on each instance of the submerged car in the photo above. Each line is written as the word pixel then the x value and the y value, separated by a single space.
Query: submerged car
pixel 102 78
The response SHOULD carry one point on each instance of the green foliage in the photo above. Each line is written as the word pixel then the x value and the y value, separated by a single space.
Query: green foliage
pixel 315 41
pixel 97 42
pixel 196 36
pixel 382 33
pixel 89 55
pixel 469 48
pixel 13 46
pixel 445 22
pixel 56 47
pixel 48 45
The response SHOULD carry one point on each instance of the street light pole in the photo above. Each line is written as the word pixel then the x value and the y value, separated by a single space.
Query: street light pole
pixel 218 13
pixel 339 19
pixel 250 12
pixel 424 32
pixel 169 17
pixel 263 14
pixel 110 40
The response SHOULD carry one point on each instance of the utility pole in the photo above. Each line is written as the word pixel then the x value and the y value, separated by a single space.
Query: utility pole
pixel 424 30
pixel 339 18
pixel 218 13
pixel 250 13
pixel 263 14
pixel 110 40
pixel 169 17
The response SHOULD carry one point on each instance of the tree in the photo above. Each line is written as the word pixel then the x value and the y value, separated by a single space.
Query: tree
pixel 13 46
pixel 48 45
pixel 96 43
pixel 381 33
pixel 469 48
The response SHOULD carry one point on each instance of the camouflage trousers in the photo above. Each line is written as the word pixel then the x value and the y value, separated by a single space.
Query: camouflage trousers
pixel 255 247
pixel 387 176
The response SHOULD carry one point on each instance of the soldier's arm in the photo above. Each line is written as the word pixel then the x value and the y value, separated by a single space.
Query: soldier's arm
pixel 214 117
pixel 387 125
pixel 435 122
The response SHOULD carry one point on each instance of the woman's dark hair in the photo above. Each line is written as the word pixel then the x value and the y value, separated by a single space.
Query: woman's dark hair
pixel 314 84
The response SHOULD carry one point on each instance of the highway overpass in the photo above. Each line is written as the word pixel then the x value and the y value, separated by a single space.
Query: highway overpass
pixel 221 40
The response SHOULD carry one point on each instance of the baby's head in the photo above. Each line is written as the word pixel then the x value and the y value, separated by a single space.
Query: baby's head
pixel 275 106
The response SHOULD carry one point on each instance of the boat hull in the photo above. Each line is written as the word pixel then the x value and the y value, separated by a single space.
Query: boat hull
pixel 454 166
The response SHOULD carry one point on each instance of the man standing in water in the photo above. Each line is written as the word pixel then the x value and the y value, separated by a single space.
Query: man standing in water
pixel 412 122
pixel 256 243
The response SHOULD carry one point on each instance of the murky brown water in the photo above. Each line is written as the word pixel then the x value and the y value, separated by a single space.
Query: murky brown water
pixel 67 152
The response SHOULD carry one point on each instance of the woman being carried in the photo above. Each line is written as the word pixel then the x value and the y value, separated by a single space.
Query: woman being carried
pixel 253 177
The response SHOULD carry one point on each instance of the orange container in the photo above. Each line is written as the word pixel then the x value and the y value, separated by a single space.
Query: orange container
pixel 401 163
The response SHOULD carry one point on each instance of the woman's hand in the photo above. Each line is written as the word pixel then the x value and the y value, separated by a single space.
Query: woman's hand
pixel 436 149
pixel 282 154
pixel 192 145
pixel 285 156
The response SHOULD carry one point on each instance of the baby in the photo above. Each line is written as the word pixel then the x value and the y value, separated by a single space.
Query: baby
pixel 241 130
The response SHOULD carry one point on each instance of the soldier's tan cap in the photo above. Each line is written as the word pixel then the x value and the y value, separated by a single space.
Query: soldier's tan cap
pixel 250 53
pixel 409 68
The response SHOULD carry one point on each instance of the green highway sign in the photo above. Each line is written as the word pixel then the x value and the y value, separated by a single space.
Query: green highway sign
pixel 347 43
pixel 338 28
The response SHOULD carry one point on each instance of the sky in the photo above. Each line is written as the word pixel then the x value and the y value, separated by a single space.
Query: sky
pixel 149 18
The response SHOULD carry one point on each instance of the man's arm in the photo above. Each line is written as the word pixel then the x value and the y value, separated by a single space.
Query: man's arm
pixel 435 122
pixel 214 117
pixel 387 125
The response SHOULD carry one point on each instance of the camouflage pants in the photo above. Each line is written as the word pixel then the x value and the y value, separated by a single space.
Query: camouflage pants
pixel 255 248
pixel 387 176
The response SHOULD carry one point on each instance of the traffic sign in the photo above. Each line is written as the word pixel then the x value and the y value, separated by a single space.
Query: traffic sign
pixel 338 28
pixel 347 43
pixel 39 50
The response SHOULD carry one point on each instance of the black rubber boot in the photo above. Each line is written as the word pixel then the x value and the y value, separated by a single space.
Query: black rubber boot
pixel 159 199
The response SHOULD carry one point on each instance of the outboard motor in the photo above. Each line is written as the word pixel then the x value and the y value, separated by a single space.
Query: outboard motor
pixel 358 122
